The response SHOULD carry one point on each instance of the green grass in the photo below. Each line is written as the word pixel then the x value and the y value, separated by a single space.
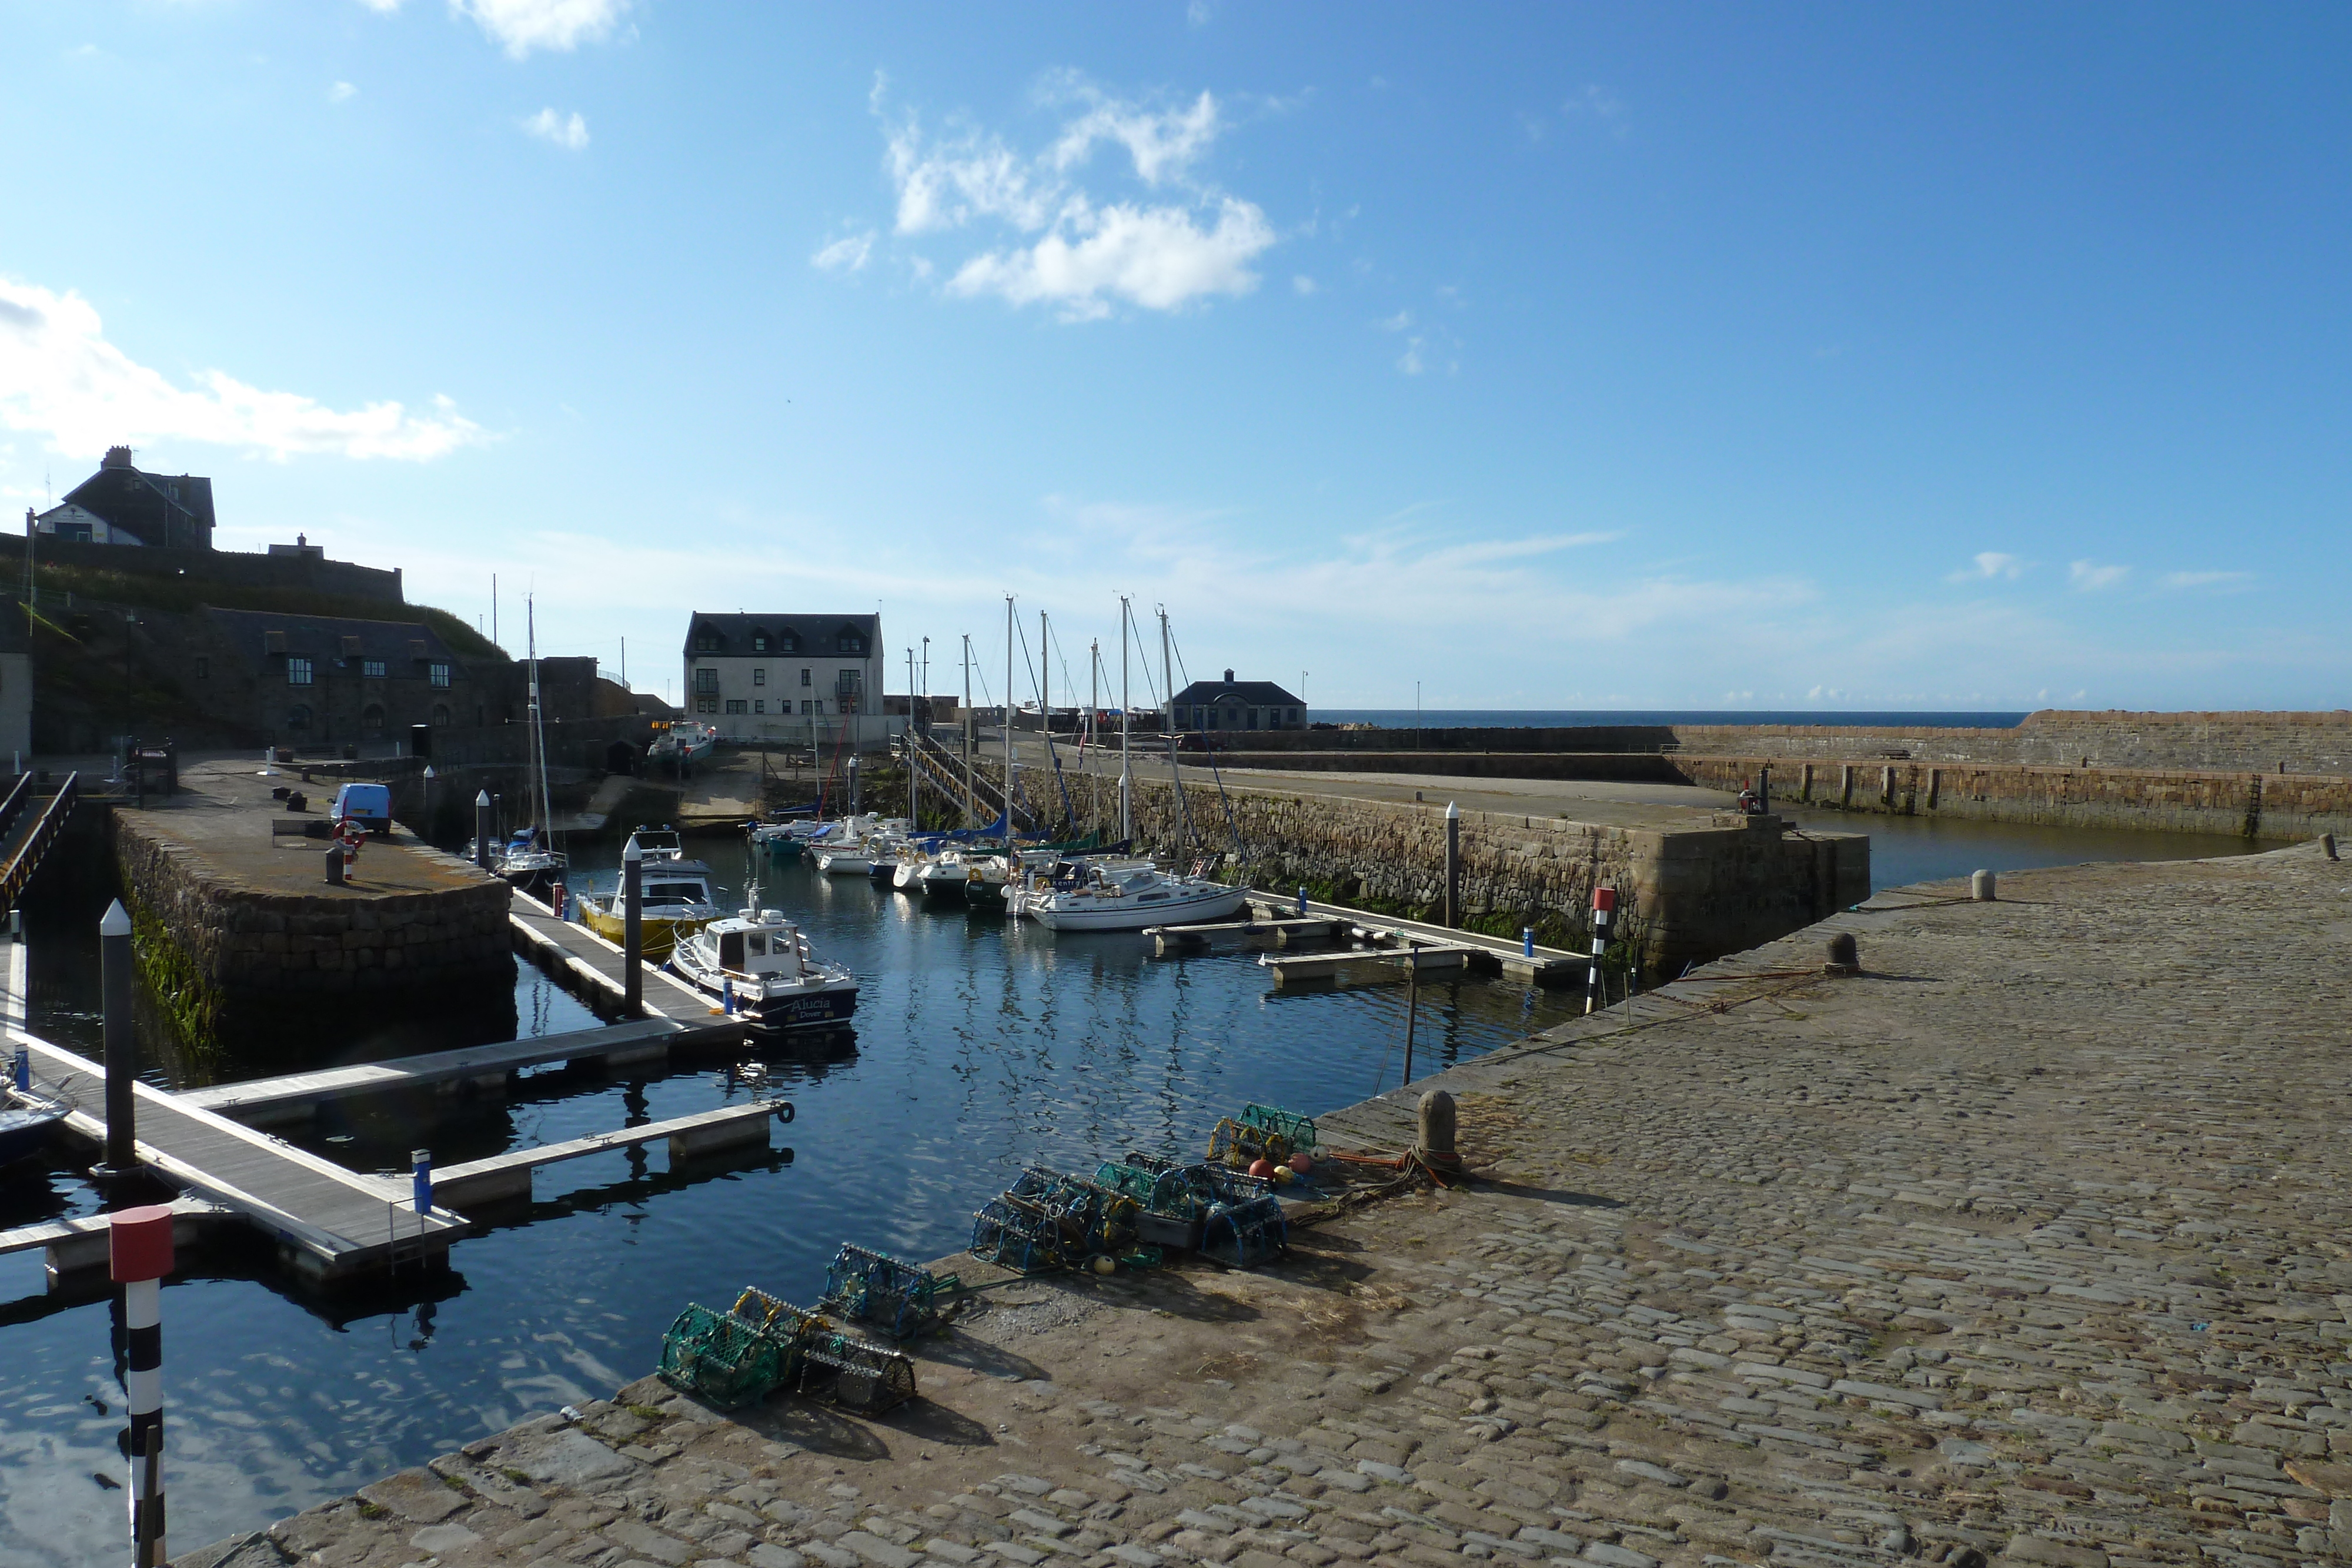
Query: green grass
pixel 140 590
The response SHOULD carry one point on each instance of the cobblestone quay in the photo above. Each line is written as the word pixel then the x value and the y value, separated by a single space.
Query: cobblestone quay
pixel 2023 1246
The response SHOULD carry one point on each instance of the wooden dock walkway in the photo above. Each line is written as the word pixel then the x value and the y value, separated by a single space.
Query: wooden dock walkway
pixel 1549 967
pixel 508 1176
pixel 598 965
pixel 326 1220
pixel 294 1096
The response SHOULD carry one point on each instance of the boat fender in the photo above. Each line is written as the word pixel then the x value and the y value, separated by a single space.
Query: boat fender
pixel 786 1111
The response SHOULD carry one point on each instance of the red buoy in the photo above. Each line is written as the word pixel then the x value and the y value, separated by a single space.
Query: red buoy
pixel 1262 1168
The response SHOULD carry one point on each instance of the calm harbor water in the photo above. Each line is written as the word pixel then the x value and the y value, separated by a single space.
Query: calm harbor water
pixel 979 1045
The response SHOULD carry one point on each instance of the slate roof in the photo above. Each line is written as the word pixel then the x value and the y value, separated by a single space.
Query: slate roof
pixel 816 635
pixel 321 637
pixel 1248 693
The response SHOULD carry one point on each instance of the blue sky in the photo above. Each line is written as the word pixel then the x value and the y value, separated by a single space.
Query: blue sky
pixel 1551 356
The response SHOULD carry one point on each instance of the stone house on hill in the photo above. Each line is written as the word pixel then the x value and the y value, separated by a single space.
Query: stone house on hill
pixel 121 504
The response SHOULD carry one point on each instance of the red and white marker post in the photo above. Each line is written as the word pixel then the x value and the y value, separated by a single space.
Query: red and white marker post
pixel 139 1255
pixel 1604 905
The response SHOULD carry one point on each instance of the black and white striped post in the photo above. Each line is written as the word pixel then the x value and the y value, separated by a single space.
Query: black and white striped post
pixel 139 1254
pixel 1604 905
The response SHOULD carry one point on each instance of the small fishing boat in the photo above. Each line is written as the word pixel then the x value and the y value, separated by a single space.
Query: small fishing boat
pixel 1112 898
pixel 676 896
pixel 27 1120
pixel 528 860
pixel 759 963
pixel 686 741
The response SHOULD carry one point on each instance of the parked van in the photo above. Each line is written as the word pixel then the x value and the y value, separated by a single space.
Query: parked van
pixel 369 805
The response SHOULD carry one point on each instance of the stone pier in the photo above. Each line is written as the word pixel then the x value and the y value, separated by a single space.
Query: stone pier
pixel 2023 1246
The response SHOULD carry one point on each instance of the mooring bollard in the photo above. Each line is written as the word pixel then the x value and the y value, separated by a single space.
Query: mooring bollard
pixel 1980 887
pixel 335 866
pixel 1453 864
pixel 139 1254
pixel 482 829
pixel 1434 1141
pixel 116 970
pixel 2327 845
pixel 633 927
pixel 420 1179
pixel 1604 905
pixel 1845 954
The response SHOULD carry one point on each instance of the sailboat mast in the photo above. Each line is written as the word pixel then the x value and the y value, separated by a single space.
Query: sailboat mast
pixel 971 792
pixel 1168 722
pixel 914 798
pixel 1126 716
pixel 538 717
pixel 1008 718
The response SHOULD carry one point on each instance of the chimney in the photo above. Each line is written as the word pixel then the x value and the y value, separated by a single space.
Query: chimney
pixel 116 457
pixel 1229 678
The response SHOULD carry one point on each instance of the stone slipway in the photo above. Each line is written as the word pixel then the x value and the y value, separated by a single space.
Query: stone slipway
pixel 2025 1245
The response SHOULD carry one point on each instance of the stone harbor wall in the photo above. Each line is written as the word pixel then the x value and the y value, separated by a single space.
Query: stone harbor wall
pixel 2246 805
pixel 246 940
pixel 1688 893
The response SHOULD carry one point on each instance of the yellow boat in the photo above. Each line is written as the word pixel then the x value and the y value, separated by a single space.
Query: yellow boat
pixel 677 899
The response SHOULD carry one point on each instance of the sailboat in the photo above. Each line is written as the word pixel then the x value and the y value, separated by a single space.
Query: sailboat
pixel 530 858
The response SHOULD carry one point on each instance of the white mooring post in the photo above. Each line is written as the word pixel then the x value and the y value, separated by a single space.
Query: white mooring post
pixel 138 1255
pixel 1604 905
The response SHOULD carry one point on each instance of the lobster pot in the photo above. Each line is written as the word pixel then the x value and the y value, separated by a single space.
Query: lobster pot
pixel 856 1376
pixel 720 1358
pixel 1016 1237
pixel 1128 1180
pixel 1237 1144
pixel 897 1297
pixel 1296 1132
pixel 1244 1235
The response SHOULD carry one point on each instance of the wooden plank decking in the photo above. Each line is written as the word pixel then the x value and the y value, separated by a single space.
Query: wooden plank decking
pixel 507 1176
pixel 598 965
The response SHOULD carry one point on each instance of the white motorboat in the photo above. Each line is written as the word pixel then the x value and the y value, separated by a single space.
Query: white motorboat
pixel 857 844
pixel 938 874
pixel 760 963
pixel 1109 898
pixel 685 742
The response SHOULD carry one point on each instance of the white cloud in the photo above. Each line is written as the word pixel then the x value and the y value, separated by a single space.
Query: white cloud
pixel 342 92
pixel 1989 564
pixel 571 134
pixel 2206 579
pixel 381 7
pixel 60 378
pixel 2090 577
pixel 1163 144
pixel 1079 252
pixel 522 25
pixel 1197 13
pixel 1302 285
pixel 1156 258
pixel 846 254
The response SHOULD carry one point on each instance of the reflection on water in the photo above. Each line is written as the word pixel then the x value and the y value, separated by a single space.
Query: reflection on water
pixel 1905 849
pixel 978 1047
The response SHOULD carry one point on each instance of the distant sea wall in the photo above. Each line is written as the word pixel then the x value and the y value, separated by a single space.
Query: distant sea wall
pixel 1689 895
pixel 2202 742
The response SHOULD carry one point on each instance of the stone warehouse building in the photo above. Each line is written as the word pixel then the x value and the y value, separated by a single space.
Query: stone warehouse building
pixel 1230 703
pixel 787 678
pixel 317 680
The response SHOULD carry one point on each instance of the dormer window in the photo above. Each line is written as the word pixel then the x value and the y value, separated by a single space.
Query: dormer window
pixel 851 643
pixel 759 641
pixel 705 640
pixel 788 643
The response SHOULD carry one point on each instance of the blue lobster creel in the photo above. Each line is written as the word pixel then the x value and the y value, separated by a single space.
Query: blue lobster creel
pixel 1244 1235
pixel 719 1357
pixel 1296 1130
pixel 1017 1236
pixel 873 1287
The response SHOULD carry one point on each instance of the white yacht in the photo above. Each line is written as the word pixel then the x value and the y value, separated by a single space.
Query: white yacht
pixel 1129 898
pixel 762 962
pixel 935 873
pixel 856 844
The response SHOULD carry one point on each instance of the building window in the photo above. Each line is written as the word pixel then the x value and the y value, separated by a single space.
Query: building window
pixel 297 673
pixel 371 668
pixel 706 641
pixel 851 643
pixel 804 677
pixel 203 669
pixel 736 704
pixel 439 671
pixel 1294 716
pixel 760 677
pixel 440 715
pixel 759 641
pixel 372 722
pixel 706 681
pixel 706 705
pixel 759 705
pixel 298 716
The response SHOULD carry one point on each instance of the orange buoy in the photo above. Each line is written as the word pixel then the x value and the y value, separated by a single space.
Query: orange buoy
pixel 1262 1168
pixel 1301 1163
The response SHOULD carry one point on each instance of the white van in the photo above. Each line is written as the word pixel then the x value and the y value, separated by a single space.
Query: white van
pixel 369 805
